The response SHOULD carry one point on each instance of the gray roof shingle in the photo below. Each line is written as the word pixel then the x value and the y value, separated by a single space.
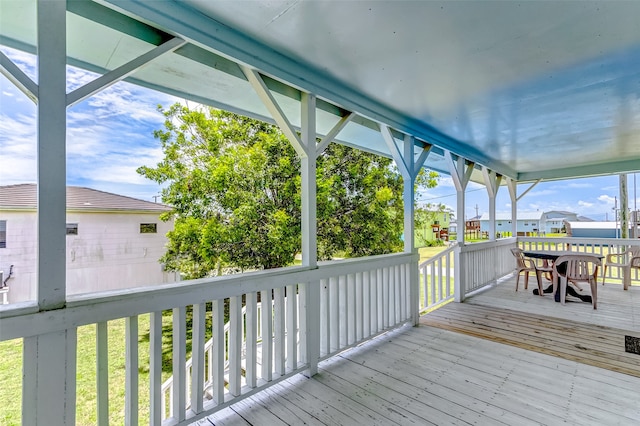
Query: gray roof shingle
pixel 24 196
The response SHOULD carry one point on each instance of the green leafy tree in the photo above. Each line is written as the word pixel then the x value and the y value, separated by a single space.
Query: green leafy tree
pixel 234 185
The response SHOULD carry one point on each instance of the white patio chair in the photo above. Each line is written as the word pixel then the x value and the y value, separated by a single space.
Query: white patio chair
pixel 580 269
pixel 526 265
pixel 625 260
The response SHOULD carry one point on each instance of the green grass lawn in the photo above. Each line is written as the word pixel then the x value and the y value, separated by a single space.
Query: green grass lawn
pixel 86 411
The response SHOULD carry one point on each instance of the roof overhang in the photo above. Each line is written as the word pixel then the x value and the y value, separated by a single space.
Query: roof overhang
pixel 534 90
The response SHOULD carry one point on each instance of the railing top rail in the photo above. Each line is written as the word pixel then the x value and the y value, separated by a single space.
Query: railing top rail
pixel 435 258
pixel 583 240
pixel 105 306
pixel 488 244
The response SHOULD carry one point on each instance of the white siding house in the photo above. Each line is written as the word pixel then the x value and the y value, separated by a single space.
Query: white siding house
pixel 112 242
pixel 530 223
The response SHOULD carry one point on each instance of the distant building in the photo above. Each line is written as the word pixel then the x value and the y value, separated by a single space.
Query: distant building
pixel 530 223
pixel 434 226
pixel 113 241
pixel 472 224
pixel 593 229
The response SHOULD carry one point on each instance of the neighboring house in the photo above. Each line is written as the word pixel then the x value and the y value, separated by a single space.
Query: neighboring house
pixel 113 241
pixel 432 225
pixel 555 220
pixel 530 223
pixel 472 224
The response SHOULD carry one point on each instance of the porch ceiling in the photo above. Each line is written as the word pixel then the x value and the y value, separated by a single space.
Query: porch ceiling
pixel 529 89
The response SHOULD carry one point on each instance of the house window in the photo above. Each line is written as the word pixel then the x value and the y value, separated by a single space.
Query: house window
pixel 526 224
pixel 72 229
pixel 148 228
pixel 3 234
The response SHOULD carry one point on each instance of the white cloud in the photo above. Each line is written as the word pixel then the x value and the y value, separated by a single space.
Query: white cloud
pixel 109 135
pixel 541 193
pixel 585 204
pixel 577 185
pixel 606 199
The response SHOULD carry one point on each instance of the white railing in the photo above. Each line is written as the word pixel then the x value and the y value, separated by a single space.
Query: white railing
pixel 436 279
pixel 167 387
pixel 602 246
pixel 359 301
pixel 338 305
pixel 483 264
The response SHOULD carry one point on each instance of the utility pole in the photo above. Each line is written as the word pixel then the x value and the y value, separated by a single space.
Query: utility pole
pixel 624 207
pixel 476 211
pixel 615 213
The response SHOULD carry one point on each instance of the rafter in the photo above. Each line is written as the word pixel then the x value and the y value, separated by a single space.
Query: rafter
pixel 460 172
pixel 322 145
pixel 405 168
pixel 492 181
pixel 255 79
pixel 122 72
pixel 18 78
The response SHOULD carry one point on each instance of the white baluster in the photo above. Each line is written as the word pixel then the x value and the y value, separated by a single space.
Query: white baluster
pixel 251 324
pixel 131 370
pixel 197 357
pixel 179 361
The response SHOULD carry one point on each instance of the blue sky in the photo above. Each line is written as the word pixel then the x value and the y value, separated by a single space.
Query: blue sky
pixel 111 134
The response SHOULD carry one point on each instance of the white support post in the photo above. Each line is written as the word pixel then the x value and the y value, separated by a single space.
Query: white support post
pixel 492 183
pixel 307 149
pixel 513 194
pixel 41 352
pixel 461 174
pixel 49 382
pixel 512 185
pixel 52 120
pixel 409 168
pixel 308 175
pixel 310 291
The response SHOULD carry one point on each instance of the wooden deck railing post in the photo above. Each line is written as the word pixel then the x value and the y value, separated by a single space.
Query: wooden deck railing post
pixel 458 279
pixel 414 289
pixel 311 328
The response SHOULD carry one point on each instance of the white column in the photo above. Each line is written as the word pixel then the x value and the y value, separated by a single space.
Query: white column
pixel 51 151
pixel 461 174
pixel 308 190
pixel 512 185
pixel 492 183
pixel 49 385
pixel 409 168
pixel 310 291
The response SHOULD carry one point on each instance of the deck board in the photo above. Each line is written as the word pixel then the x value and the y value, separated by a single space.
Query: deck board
pixel 586 343
pixel 503 358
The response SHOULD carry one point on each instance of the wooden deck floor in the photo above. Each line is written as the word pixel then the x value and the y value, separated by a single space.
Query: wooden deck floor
pixel 431 375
